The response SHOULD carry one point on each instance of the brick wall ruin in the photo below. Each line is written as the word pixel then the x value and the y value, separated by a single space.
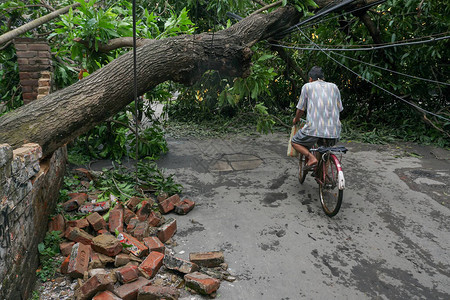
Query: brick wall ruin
pixel 35 66
pixel 29 184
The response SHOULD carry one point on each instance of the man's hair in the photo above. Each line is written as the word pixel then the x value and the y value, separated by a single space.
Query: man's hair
pixel 316 73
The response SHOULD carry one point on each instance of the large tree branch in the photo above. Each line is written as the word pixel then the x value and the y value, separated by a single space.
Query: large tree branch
pixel 114 43
pixel 58 118
pixel 35 23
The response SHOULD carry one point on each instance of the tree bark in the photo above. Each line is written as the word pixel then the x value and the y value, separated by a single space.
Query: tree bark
pixel 60 117
pixel 4 38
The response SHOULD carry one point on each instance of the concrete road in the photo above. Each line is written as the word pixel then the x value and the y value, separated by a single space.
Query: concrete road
pixel 391 239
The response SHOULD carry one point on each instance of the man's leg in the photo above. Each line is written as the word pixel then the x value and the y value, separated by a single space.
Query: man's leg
pixel 303 150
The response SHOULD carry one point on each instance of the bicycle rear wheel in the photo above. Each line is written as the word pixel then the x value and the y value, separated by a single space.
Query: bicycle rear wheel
pixel 329 192
pixel 301 167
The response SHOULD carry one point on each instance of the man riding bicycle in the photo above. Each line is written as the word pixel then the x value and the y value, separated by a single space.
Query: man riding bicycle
pixel 322 101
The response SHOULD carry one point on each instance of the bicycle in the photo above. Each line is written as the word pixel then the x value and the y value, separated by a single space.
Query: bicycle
pixel 329 175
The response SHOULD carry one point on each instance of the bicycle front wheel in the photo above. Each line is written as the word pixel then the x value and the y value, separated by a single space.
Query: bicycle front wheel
pixel 301 169
pixel 330 194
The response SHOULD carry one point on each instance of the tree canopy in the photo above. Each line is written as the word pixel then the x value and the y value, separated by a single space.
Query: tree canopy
pixel 390 58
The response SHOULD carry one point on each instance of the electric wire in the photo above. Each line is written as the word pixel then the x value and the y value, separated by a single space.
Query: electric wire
pixel 326 12
pixel 316 16
pixel 374 84
pixel 375 45
pixel 136 106
pixel 371 48
pixel 391 71
pixel 344 13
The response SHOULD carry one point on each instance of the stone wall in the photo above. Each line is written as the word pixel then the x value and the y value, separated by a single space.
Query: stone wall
pixel 29 191
pixel 35 66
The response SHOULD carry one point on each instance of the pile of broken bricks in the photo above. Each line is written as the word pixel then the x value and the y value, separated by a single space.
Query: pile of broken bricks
pixel 126 257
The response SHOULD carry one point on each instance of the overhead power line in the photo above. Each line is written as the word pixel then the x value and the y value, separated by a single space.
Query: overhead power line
pixel 391 71
pixel 324 12
pixel 374 84
pixel 363 48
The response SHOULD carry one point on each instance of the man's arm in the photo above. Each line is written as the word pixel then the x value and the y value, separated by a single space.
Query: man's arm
pixel 298 115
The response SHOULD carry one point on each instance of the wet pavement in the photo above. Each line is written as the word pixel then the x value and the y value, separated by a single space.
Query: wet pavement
pixel 389 241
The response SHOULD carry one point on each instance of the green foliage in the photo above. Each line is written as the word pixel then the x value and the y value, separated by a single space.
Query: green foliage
pixel 116 138
pixel 272 84
pixel 35 296
pixel 10 89
pixel 48 249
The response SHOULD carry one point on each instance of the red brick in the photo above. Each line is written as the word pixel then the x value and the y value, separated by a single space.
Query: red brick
pixel 127 274
pixel 132 224
pixel 121 259
pixel 94 207
pixel 116 219
pixel 151 292
pixel 167 230
pixel 161 197
pixel 128 215
pixel 38 47
pixel 180 265
pixel 96 283
pixel 27 54
pixel 207 259
pixel 143 212
pixel 96 221
pixel 129 291
pixel 154 244
pixel 65 265
pixel 57 223
pixel 75 201
pixel 201 283
pixel 150 266
pixel 106 295
pixel 78 235
pixel 106 244
pixel 80 223
pixel 168 204
pixel 20 46
pixel 84 172
pixel 133 202
pixel 79 260
pixel 153 219
pixel 66 248
pixel 141 230
pixel 95 261
pixel 136 247
pixel 24 75
pixel 103 231
pixel 184 206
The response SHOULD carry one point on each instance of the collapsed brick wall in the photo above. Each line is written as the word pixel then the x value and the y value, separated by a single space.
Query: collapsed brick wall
pixel 29 190
pixel 29 184
pixel 35 66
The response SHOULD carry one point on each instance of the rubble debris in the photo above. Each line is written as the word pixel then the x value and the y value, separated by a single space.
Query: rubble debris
pixel 150 266
pixel 99 207
pixel 75 201
pixel 130 256
pixel 180 265
pixel 79 260
pixel 201 283
pixel 207 259
pixel 106 244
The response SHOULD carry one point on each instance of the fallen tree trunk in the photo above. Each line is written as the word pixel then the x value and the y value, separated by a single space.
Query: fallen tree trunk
pixel 60 117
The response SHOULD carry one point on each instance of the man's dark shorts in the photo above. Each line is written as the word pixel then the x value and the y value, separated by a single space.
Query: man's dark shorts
pixel 309 141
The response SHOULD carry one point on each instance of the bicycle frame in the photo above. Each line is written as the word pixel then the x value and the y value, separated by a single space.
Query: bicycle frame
pixel 321 177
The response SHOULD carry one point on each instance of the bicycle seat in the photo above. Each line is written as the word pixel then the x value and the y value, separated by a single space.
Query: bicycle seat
pixel 339 149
